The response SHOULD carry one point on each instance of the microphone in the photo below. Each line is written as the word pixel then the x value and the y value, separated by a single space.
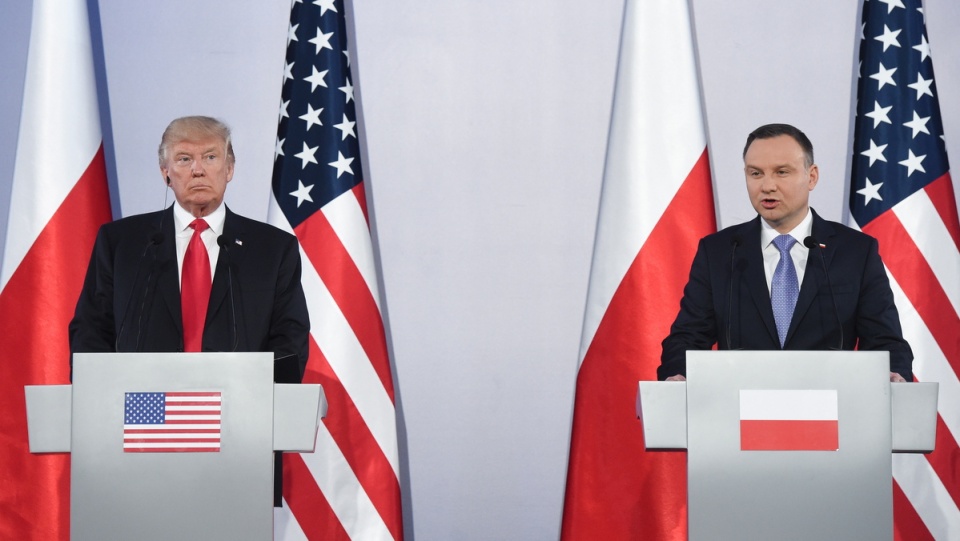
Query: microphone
pixel 812 243
pixel 735 242
pixel 225 247
pixel 155 240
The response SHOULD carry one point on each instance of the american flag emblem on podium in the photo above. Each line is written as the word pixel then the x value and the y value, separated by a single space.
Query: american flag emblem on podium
pixel 181 422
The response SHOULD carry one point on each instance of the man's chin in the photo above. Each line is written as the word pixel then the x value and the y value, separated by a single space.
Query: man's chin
pixel 203 205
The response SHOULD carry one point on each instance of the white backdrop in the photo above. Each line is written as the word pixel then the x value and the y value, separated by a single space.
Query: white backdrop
pixel 485 126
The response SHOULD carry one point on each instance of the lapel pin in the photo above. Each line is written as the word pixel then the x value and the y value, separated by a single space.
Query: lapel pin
pixel 240 242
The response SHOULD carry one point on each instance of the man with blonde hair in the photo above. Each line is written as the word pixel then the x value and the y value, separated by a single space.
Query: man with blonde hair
pixel 195 276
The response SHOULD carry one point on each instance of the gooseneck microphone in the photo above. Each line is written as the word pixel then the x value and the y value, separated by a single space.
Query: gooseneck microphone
pixel 225 247
pixel 155 240
pixel 812 243
pixel 735 242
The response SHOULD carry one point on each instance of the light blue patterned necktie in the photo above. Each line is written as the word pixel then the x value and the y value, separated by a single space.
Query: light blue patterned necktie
pixel 784 289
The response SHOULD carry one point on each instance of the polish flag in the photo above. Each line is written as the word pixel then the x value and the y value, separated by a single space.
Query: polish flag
pixel 655 205
pixel 781 420
pixel 58 201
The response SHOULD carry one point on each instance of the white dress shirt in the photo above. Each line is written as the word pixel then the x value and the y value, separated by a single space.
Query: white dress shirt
pixel 181 223
pixel 798 252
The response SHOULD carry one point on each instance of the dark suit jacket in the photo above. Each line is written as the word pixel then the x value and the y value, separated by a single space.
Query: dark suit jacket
pixel 860 286
pixel 131 295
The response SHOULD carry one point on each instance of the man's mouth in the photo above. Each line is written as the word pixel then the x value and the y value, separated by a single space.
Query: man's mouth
pixel 769 203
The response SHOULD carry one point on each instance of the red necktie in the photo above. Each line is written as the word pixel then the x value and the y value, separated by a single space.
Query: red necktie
pixel 195 288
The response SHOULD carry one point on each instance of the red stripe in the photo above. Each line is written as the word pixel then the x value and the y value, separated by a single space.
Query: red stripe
pixel 172 450
pixel 359 448
pixel 171 431
pixel 615 489
pixel 35 307
pixel 945 460
pixel 789 435
pixel 193 394
pixel 911 270
pixel 907 524
pixel 192 422
pixel 359 193
pixel 306 502
pixel 941 195
pixel 171 440
pixel 348 288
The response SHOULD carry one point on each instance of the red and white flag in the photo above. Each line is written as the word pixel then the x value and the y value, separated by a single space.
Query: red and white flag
pixel 58 201
pixel 656 203
pixel 789 420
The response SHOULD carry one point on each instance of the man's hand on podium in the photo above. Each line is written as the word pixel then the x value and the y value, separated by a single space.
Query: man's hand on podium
pixel 679 377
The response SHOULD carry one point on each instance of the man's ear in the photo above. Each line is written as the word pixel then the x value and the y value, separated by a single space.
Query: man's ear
pixel 814 176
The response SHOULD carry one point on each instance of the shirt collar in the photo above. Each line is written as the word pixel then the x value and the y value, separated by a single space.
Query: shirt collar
pixel 182 219
pixel 803 230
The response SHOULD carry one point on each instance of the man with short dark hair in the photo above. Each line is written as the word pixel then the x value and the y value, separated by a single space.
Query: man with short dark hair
pixel 760 285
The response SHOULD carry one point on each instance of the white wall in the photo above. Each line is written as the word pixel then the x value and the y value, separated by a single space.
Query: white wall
pixel 485 124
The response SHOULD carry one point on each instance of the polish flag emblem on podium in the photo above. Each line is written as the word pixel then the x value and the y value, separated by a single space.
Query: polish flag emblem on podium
pixel 789 420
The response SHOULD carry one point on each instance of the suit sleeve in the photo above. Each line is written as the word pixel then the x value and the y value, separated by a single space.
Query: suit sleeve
pixel 92 328
pixel 877 319
pixel 695 327
pixel 290 322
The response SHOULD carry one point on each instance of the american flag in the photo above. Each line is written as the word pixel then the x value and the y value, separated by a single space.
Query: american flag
pixel 901 193
pixel 349 488
pixel 183 422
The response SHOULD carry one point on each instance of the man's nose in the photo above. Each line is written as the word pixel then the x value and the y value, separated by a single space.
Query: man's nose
pixel 196 168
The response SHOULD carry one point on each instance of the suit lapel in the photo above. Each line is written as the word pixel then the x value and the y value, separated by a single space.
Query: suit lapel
pixel 755 278
pixel 168 275
pixel 813 274
pixel 232 233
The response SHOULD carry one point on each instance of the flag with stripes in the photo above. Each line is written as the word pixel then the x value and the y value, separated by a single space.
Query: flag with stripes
pixel 789 420
pixel 349 488
pixel 58 201
pixel 179 422
pixel 656 204
pixel 901 193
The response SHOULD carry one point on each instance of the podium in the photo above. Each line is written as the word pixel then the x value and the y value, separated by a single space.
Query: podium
pixel 788 444
pixel 173 445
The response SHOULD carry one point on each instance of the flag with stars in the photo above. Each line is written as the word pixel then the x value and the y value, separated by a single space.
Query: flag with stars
pixel 174 422
pixel 901 193
pixel 349 488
